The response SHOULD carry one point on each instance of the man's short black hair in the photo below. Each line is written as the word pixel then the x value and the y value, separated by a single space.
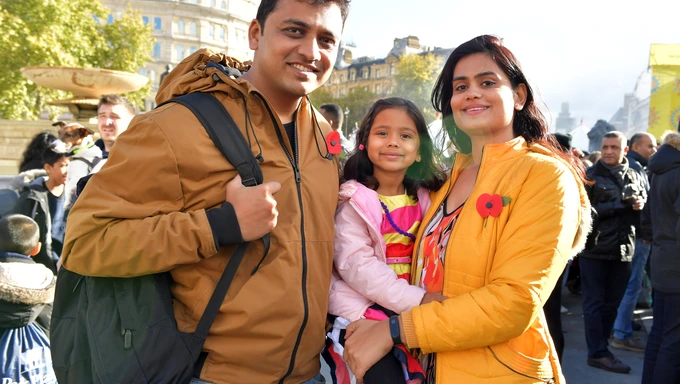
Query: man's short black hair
pixel 335 112
pixel 268 6
pixel 113 99
pixel 19 234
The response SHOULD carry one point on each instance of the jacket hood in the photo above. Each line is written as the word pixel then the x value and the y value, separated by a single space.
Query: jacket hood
pixel 25 283
pixel 196 74
pixel 668 155
pixel 22 180
pixel 586 224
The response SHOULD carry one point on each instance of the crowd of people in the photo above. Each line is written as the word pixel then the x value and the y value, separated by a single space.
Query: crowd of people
pixel 367 252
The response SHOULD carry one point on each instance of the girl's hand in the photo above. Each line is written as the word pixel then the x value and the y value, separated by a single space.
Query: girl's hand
pixel 366 342
pixel 433 296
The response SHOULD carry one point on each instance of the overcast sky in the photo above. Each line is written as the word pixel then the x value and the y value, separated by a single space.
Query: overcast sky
pixel 587 53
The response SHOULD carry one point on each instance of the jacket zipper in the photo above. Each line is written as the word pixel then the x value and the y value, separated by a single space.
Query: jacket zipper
pixel 298 180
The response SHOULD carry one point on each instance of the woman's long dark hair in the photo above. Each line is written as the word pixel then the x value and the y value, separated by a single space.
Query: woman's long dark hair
pixel 423 173
pixel 528 122
pixel 33 155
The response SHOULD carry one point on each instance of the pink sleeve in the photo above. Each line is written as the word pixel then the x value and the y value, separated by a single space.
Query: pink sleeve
pixel 364 271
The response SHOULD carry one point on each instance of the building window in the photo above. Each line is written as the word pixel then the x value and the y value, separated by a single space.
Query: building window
pixel 180 52
pixel 365 73
pixel 220 31
pixel 180 26
pixel 352 75
pixel 213 3
pixel 157 23
pixel 192 49
pixel 142 71
pixel 192 28
pixel 157 50
pixel 377 89
pixel 377 73
pixel 109 19
pixel 152 76
pixel 211 31
pixel 241 36
pixel 392 67
pixel 342 92
pixel 223 5
pixel 145 19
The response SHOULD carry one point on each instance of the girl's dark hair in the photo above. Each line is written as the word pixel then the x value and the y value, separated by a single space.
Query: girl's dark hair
pixel 423 173
pixel 33 155
pixel 528 123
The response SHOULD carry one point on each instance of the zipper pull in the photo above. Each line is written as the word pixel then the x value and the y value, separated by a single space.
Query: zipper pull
pixel 298 179
pixel 128 338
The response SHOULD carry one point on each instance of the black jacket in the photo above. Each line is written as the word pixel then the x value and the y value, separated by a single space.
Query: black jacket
pixel 639 164
pixel 33 202
pixel 26 292
pixel 616 219
pixel 664 201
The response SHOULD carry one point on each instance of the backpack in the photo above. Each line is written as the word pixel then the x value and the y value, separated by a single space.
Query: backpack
pixel 123 330
pixel 90 164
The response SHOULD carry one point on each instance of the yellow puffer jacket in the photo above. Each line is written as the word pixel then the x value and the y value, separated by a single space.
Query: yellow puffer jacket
pixel 497 277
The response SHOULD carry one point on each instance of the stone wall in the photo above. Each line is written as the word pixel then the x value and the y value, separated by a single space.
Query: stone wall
pixel 15 136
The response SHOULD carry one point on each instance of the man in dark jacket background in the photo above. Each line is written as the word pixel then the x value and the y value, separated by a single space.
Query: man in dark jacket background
pixel 617 195
pixel 662 357
pixel 642 147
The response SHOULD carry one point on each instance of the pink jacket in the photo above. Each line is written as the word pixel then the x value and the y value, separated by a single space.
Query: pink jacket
pixel 361 276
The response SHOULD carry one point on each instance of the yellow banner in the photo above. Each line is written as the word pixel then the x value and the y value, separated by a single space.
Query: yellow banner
pixel 664 102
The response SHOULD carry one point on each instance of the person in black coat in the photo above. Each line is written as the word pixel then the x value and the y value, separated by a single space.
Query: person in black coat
pixel 662 355
pixel 617 195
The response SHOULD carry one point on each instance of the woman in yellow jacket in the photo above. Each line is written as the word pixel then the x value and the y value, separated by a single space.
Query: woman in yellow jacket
pixel 495 239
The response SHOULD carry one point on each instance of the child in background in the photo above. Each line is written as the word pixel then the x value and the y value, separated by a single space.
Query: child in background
pixel 382 200
pixel 26 287
pixel 42 200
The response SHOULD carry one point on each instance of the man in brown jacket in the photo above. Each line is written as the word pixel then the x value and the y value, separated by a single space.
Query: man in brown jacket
pixel 167 200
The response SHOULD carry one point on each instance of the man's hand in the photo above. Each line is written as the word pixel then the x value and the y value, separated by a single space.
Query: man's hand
pixel 433 296
pixel 638 204
pixel 366 342
pixel 255 207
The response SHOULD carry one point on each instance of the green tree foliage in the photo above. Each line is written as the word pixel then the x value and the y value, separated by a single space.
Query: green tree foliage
pixel 63 33
pixel 320 97
pixel 358 100
pixel 415 78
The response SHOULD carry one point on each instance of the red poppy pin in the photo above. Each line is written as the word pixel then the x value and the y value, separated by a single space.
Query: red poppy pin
pixel 488 205
pixel 333 143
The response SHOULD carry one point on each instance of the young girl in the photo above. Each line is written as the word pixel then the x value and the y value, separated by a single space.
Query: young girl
pixel 381 203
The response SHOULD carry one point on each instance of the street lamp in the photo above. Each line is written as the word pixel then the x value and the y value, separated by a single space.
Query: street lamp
pixel 346 119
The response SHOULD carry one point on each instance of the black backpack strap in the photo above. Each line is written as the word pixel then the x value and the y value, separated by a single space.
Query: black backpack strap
pixel 212 114
pixel 228 138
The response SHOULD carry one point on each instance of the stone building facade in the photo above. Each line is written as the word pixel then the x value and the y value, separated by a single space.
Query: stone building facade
pixel 375 75
pixel 181 27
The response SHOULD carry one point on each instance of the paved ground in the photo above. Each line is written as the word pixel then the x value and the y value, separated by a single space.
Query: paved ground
pixel 574 364
pixel 575 352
